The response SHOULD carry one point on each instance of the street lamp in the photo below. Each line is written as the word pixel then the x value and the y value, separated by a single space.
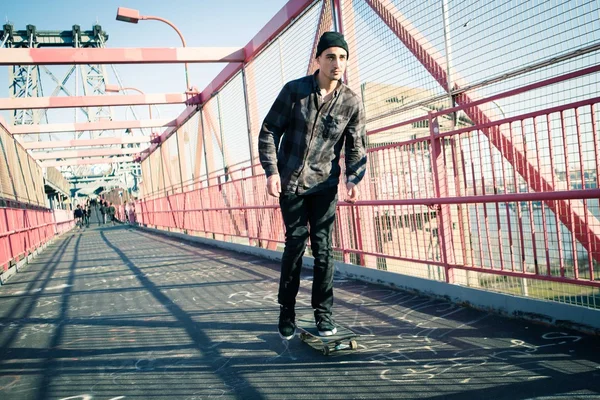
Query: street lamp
pixel 133 16
pixel 116 89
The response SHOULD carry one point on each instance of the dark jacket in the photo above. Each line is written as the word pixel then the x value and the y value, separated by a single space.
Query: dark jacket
pixel 301 137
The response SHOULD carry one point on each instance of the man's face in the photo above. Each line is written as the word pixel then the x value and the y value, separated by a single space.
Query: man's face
pixel 332 63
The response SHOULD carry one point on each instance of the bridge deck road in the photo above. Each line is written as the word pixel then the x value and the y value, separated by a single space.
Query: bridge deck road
pixel 113 312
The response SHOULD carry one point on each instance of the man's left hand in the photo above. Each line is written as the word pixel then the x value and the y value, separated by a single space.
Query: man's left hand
pixel 352 192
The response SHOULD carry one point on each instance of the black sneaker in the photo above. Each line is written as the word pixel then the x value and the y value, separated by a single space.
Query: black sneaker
pixel 287 323
pixel 326 326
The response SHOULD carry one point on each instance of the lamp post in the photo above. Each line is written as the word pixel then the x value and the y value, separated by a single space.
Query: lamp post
pixel 133 16
pixel 116 89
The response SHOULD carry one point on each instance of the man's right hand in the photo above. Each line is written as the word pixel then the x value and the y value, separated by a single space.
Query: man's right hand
pixel 274 185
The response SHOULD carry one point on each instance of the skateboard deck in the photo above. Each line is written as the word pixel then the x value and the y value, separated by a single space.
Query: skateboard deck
pixel 342 340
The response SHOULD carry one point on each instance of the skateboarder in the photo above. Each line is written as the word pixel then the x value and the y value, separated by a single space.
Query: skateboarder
pixel 299 146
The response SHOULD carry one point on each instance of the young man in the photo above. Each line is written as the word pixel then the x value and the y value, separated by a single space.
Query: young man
pixel 299 147
pixel 78 214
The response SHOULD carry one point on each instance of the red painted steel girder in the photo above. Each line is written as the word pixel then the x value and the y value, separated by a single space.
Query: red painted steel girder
pixel 86 142
pixel 569 214
pixel 283 18
pixel 90 101
pixel 181 119
pixel 165 55
pixel 324 24
pixel 87 161
pixel 83 153
pixel 89 126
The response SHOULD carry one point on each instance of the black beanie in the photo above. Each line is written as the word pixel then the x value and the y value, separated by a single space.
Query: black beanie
pixel 331 39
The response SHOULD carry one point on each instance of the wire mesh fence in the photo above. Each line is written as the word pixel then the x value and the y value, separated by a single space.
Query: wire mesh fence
pixel 483 144
pixel 21 178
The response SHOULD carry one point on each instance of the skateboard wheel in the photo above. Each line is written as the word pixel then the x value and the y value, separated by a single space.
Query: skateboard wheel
pixel 325 351
pixel 353 345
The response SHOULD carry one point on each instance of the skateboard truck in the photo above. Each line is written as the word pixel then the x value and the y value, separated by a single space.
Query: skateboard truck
pixel 344 339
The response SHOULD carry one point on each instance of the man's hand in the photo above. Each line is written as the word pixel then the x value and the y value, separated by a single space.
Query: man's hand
pixel 274 185
pixel 352 192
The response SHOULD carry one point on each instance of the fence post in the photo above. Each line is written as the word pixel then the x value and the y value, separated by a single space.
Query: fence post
pixel 358 234
pixel 180 151
pixel 443 211
pixel 249 124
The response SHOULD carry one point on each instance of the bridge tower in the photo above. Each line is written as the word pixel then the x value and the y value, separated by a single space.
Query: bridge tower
pixel 25 81
pixel 75 80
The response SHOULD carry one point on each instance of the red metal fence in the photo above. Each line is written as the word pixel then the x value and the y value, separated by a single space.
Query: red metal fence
pixel 24 228
pixel 463 206
pixel 25 222
pixel 483 158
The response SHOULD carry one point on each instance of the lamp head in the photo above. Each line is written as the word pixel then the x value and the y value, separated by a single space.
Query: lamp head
pixel 111 88
pixel 128 15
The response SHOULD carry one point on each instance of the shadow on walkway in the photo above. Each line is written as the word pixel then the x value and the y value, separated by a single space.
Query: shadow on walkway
pixel 113 312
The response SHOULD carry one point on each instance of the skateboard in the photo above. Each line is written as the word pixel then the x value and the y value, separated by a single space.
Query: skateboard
pixel 342 340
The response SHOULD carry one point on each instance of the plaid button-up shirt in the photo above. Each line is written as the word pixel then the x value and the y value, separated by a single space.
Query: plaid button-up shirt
pixel 302 137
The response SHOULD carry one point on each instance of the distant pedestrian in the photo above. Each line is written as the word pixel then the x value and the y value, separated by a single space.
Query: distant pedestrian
pixel 132 213
pixel 78 214
pixel 102 214
pixel 111 213
pixel 127 213
pixel 86 215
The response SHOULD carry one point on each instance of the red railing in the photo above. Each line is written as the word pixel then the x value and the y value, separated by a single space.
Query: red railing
pixel 513 197
pixel 25 228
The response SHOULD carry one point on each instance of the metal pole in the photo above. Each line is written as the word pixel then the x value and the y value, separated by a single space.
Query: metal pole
pixel 150 169
pixel 150 17
pixel 76 82
pixel 248 119
pixel 225 164
pixel 179 160
pixel 206 162
pixel 4 41
pixel 162 167
pixel 448 49
pixel 27 81
pixel 334 14
pixel 204 146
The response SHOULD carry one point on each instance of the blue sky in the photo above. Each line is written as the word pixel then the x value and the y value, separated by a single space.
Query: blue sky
pixel 489 39
pixel 223 23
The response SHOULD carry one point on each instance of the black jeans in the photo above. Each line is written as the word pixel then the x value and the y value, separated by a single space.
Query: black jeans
pixel 318 211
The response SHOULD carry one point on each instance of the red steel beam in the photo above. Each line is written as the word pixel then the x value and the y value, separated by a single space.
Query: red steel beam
pixel 89 126
pixel 189 112
pixel 165 55
pixel 588 234
pixel 87 161
pixel 90 101
pixel 324 24
pixel 85 142
pixel 83 153
pixel 280 21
